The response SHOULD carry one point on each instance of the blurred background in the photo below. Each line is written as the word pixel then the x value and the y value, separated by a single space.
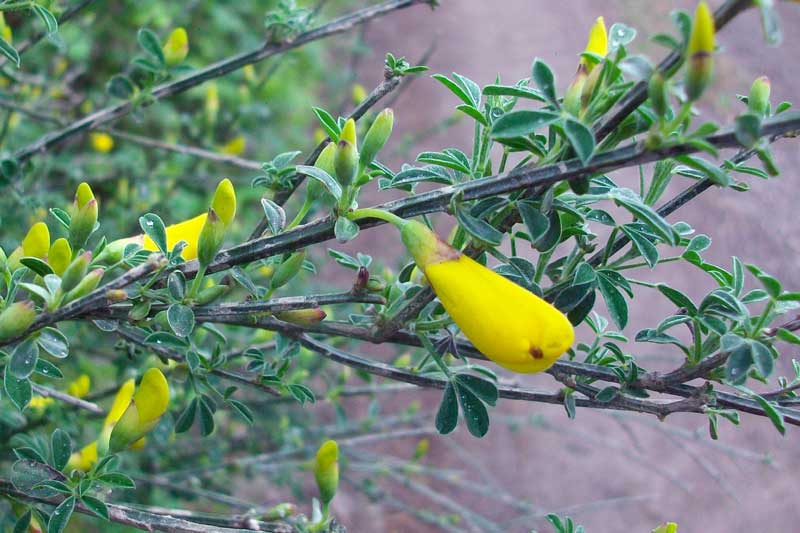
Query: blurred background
pixel 609 471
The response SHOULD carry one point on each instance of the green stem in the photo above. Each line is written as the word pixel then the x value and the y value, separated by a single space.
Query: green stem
pixel 198 280
pixel 16 6
pixel 380 214
pixel 304 209
pixel 610 244
pixel 683 114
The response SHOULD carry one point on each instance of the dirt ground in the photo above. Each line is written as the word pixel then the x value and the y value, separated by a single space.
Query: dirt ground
pixel 612 473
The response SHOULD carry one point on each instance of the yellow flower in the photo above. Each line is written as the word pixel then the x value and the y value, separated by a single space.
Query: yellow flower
pixel 211 102
pixel 101 142
pixel 508 324
pixel 699 52
pixel 84 459
pixel 598 42
pixel 579 91
pixel 235 146
pixel 224 201
pixel 39 404
pixel 149 403
pixel 80 387
pixel 37 242
pixel 359 93
pixel 176 47
pixel 669 527
pixel 5 30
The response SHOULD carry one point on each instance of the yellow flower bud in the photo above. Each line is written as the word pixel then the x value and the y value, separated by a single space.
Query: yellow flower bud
pixel 84 218
pixel 5 30
pixel 15 319
pixel 302 317
pixel 326 471
pixel 149 403
pixel 349 133
pixel 657 91
pixel 580 90
pixel 224 201
pixel 211 102
pixel 346 162
pixel 597 43
pixel 235 146
pixel 60 256
pixel 508 324
pixel 669 527
pixel 699 52
pixel 176 47
pixel 80 386
pixel 101 142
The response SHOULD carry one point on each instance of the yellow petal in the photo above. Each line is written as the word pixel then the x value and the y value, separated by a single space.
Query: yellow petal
pixel 349 132
pixel 80 387
pixel 188 230
pixel 60 255
pixel 121 402
pixel 37 242
pixel 598 42
pixel 176 47
pixel 224 202
pixel 151 396
pixel 84 194
pixel 508 324
pixel 701 40
pixel 235 146
pixel 84 459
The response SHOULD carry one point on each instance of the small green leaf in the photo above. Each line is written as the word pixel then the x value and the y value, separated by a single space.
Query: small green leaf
pixel 18 390
pixel 739 362
pixel 243 411
pixel 474 410
pixel 276 216
pixel 186 419
pixel 61 515
pixel 150 44
pixel 482 388
pixel 38 266
pixel 176 284
pixel 478 228
pixel 447 415
pixel 615 301
pixel 206 419
pixel 9 51
pixel 345 229
pixel 23 359
pixel 120 87
pixel 523 122
pixel 181 319
pixel 154 228
pixel 544 78
pixel 117 479
pixel 96 506
pixel 762 357
pixel 581 138
pixel 678 298
pixel 323 177
pixel 607 394
pixel 646 249
pixel 50 21
pixel 775 416
pixel 61 446
pixel 328 123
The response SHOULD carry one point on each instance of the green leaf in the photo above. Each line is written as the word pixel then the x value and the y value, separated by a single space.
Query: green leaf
pixel 474 410
pixel 482 388
pixel 150 44
pixel 581 138
pixel 569 405
pixel 678 298
pixel 543 77
pixel 46 368
pixel 606 395
pixel 762 357
pixel 457 90
pixel 96 506
pixel 206 419
pixel 345 229
pixel 771 284
pixel 117 479
pixel 176 284
pixel 552 236
pixel 276 216
pixel 474 113
pixel 631 202
pixel 748 129
pixel 23 523
pixel 775 416
pixel 50 21
pixel 646 249
pixel 61 446
pixel 23 359
pixel 38 266
pixel 9 51
pixel 738 364
pixel 447 415
pixel 120 87
pixel 181 319
pixel 478 228
pixel 243 411
pixel 328 123
pixel 615 301
pixel 523 122
pixel 787 336
pixel 61 515
pixel 164 338
pixel 18 390
pixel 323 177
pixel 154 228
pixel 711 171
pixel 186 419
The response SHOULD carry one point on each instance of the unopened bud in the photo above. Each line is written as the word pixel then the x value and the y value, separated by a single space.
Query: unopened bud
pixel 758 99
pixel 76 271
pixel 657 91
pixel 210 294
pixel 84 217
pixel 209 242
pixel 376 137
pixel 86 285
pixel 349 133
pixel 362 278
pixel 176 47
pixel 345 162
pixel 375 284
pixel 116 295
pixel 279 512
pixel 15 319
pixel 224 201
pixel 149 403
pixel 326 470
pixel 699 52
pixel 302 317
pixel 287 270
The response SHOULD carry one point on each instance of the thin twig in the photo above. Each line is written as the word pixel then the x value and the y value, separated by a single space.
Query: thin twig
pixel 67 398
